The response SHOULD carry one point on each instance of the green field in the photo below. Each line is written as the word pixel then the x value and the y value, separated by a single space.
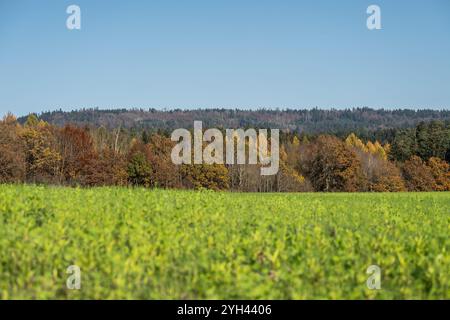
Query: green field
pixel 156 244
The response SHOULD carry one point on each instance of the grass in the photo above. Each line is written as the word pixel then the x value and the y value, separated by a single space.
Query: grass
pixel 158 244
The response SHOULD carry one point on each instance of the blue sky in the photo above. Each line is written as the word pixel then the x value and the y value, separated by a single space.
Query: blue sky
pixel 246 54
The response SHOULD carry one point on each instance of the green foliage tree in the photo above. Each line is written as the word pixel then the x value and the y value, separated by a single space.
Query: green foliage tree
pixel 427 140
pixel 404 145
pixel 433 139
pixel 145 137
pixel 139 170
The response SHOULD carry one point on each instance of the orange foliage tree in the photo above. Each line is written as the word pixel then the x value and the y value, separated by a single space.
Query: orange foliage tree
pixel 441 174
pixel 332 166
pixel 418 176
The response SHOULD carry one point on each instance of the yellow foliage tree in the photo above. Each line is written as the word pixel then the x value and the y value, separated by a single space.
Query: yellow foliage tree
pixel 353 141
pixel 441 173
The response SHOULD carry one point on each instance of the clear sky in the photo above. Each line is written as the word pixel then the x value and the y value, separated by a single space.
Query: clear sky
pixel 223 53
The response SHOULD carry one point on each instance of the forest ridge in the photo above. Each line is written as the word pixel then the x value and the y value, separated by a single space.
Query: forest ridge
pixel 339 122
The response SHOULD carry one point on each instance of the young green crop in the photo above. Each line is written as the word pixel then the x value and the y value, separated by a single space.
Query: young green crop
pixel 157 244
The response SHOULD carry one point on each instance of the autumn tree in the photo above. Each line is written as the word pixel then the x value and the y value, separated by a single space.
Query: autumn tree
pixel 165 174
pixel 209 176
pixel 32 120
pixel 417 175
pixel 332 166
pixel 353 141
pixel 382 175
pixel 76 147
pixel 289 178
pixel 43 159
pixel 12 155
pixel 373 148
pixel 106 168
pixel 441 174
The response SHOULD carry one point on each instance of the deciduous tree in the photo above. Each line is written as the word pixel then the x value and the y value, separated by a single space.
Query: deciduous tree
pixel 12 154
pixel 441 174
pixel 417 175
pixel 332 166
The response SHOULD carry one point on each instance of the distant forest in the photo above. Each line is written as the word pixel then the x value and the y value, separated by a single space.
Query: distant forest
pixel 366 123
pixel 361 150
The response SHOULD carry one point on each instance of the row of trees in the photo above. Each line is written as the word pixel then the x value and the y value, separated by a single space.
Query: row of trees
pixel 37 152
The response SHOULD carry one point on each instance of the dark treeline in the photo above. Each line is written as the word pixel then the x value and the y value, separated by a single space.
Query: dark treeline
pixel 412 155
pixel 369 124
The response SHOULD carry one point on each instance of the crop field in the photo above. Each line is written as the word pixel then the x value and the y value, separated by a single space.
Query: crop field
pixel 158 244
